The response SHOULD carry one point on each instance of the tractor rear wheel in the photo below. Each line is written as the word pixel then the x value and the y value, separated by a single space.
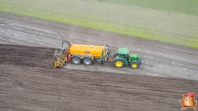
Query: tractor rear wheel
pixel 134 65
pixel 119 63
pixel 87 61
pixel 76 60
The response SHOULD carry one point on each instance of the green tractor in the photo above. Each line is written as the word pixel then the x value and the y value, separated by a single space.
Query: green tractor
pixel 123 58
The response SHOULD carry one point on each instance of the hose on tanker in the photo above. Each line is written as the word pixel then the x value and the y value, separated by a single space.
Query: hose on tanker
pixel 64 50
pixel 69 44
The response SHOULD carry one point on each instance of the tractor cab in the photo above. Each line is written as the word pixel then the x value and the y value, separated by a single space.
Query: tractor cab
pixel 123 58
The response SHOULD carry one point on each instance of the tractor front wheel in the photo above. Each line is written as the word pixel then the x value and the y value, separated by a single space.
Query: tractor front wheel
pixel 134 65
pixel 119 63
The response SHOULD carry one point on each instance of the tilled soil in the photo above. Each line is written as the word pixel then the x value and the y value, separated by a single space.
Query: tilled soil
pixel 29 83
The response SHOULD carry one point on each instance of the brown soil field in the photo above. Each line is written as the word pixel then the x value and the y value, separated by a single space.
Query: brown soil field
pixel 29 83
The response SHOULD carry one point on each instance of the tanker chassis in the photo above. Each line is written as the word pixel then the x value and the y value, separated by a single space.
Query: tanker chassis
pixel 88 54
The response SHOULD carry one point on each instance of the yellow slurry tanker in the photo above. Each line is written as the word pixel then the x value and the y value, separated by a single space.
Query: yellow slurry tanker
pixel 77 53
pixel 87 54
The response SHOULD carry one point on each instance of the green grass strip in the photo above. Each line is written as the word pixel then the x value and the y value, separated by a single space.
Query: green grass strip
pixel 192 41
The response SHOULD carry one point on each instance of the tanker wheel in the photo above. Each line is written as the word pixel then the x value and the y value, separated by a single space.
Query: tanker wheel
pixel 119 63
pixel 76 60
pixel 87 61
pixel 134 65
